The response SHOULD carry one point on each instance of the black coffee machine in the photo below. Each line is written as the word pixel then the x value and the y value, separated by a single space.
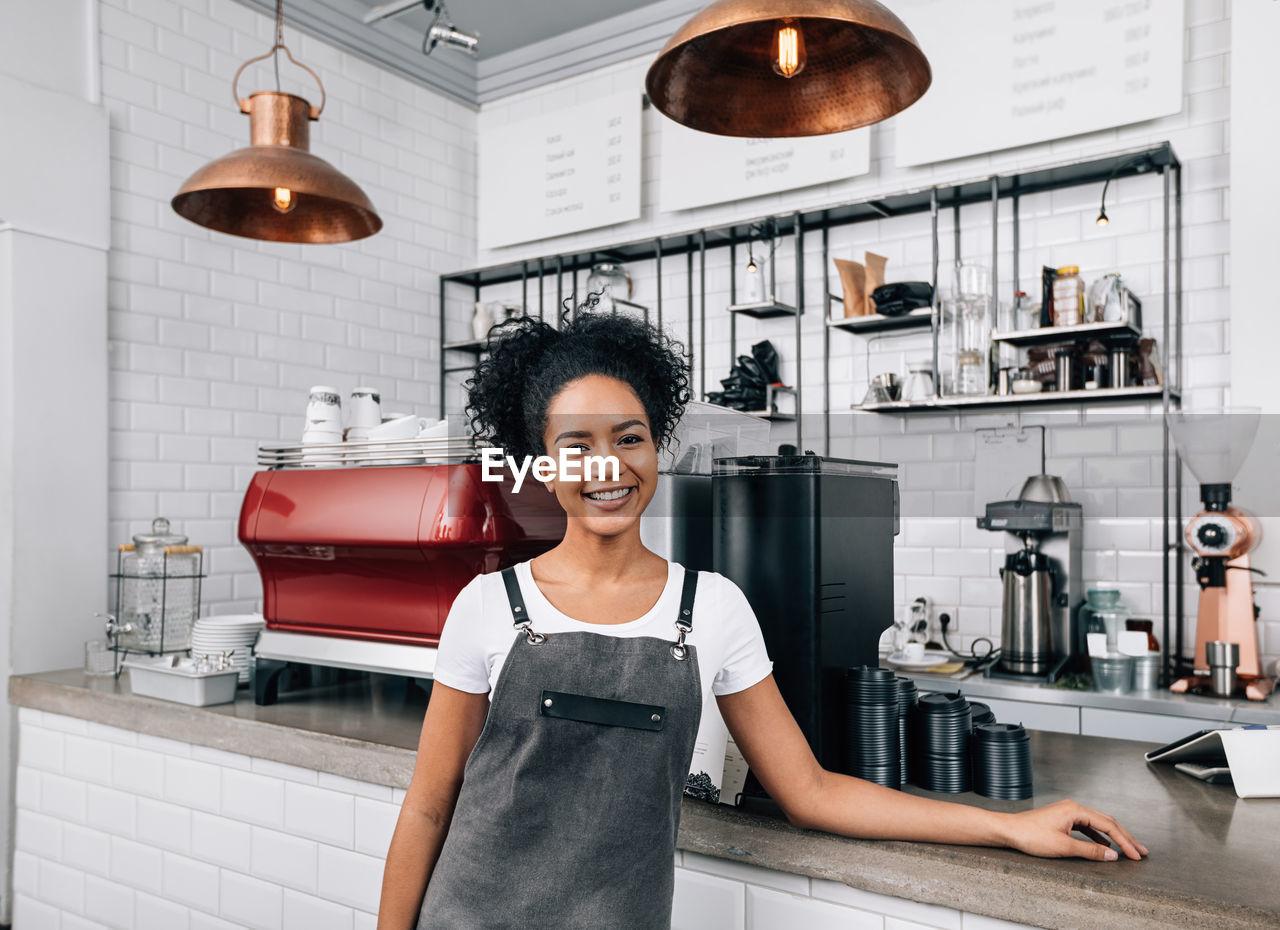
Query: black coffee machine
pixel 809 540
pixel 1041 631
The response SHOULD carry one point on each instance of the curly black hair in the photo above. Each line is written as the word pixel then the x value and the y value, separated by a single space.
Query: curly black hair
pixel 530 361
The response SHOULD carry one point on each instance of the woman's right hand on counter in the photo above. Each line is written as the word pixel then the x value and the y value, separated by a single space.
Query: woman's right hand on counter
pixel 1046 831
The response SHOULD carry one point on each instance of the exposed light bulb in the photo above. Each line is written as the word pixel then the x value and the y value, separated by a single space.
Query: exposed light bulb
pixel 788 49
pixel 751 266
pixel 282 199
pixel 1102 217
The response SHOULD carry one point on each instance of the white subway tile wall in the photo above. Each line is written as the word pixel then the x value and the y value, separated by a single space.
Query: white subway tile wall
pixel 1109 457
pixel 214 339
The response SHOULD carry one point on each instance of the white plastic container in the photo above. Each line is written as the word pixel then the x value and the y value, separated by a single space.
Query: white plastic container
pixel 152 676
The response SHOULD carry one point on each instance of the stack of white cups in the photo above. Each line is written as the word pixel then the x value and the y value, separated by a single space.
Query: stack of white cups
pixel 364 412
pixel 324 424
pixel 373 435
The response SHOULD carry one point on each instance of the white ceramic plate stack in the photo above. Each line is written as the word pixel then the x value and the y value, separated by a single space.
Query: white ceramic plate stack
pixel 233 633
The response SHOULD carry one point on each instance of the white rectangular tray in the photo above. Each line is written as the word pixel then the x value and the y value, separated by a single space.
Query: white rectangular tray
pixel 151 676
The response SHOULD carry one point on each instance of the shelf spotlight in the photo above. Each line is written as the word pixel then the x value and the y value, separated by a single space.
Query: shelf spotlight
pixel 1140 165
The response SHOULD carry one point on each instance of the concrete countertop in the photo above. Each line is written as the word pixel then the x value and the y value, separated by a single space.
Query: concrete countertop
pixel 1229 711
pixel 1211 861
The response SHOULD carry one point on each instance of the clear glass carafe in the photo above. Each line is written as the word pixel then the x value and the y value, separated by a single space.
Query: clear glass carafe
pixel 158 593
pixel 967 323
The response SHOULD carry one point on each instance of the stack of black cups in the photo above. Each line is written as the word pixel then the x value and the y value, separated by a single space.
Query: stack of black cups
pixel 1002 761
pixel 871 725
pixel 908 696
pixel 940 743
pixel 981 713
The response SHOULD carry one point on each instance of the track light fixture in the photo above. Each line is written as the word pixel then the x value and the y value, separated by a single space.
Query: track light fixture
pixel 442 31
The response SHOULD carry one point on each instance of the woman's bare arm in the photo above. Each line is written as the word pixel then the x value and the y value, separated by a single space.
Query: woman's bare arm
pixel 816 799
pixel 450 729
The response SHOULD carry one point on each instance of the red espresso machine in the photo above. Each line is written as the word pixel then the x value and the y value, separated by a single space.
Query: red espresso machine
pixel 362 547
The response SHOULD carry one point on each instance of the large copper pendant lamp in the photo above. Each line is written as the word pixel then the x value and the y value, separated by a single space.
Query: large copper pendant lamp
pixel 771 68
pixel 276 189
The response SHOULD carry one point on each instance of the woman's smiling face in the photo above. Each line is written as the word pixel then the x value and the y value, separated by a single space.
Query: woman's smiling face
pixel 601 416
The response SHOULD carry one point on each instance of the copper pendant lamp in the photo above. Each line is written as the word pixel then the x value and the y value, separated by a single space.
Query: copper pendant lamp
pixel 772 68
pixel 276 189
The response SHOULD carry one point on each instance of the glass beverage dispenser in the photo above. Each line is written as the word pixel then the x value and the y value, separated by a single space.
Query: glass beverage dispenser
pixel 157 591
pixel 966 322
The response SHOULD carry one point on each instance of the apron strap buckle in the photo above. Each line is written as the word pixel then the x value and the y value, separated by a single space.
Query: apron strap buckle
pixel 519 615
pixel 534 638
pixel 678 650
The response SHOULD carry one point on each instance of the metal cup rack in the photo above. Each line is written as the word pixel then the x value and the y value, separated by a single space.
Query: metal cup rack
pixel 369 453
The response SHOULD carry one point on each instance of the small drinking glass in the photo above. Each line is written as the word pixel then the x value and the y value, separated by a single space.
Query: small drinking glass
pixel 99 658
pixel 206 663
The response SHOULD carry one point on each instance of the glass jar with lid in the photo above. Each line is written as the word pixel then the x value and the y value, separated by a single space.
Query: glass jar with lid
pixel 157 590
pixel 1068 297
pixel 1026 312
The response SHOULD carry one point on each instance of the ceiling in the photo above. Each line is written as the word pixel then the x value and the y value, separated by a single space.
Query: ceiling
pixel 522 43
pixel 505 25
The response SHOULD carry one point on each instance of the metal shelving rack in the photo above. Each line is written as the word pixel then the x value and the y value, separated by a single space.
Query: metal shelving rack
pixel 1151 160
pixel 567 267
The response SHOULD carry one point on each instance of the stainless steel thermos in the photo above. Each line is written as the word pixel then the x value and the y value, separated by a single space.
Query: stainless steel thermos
pixel 1026 644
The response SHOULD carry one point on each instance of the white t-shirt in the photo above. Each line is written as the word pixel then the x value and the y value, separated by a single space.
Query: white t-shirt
pixel 478 633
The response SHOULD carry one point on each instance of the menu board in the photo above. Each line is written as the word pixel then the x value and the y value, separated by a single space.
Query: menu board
pixel 1015 72
pixel 699 168
pixel 562 171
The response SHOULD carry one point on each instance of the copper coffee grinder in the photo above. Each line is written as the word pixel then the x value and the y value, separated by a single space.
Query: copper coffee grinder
pixel 1214 446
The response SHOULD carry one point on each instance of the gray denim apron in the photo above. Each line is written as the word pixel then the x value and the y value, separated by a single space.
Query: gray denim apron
pixel 570 800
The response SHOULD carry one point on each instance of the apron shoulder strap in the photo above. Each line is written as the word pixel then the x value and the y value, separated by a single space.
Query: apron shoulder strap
pixel 684 620
pixel 519 613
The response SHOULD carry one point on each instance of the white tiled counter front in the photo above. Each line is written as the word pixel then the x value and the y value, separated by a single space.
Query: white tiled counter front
pixel 716 894
pixel 117 829
pixel 125 830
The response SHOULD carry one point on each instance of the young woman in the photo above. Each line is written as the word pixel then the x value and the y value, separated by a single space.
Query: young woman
pixel 568 690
